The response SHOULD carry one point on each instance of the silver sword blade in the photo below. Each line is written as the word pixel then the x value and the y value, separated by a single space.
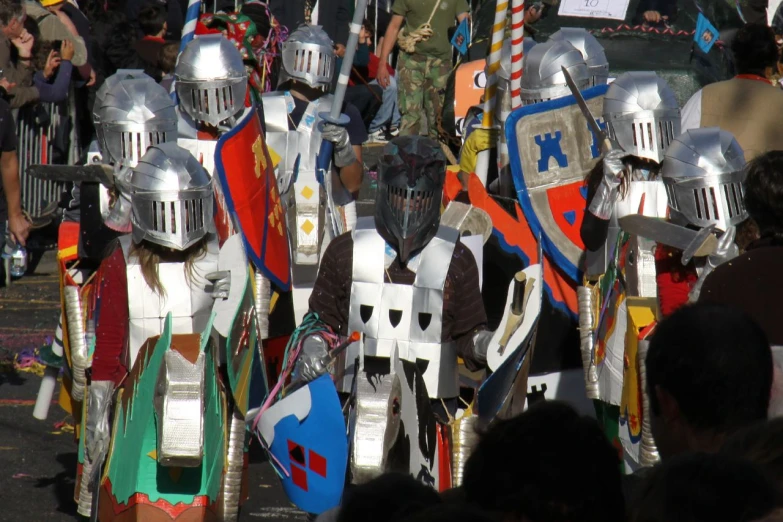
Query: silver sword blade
pixel 580 101
pixel 696 241
pixel 97 173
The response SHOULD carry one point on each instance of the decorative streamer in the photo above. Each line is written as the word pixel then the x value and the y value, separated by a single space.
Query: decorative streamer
pixel 490 92
pixel 517 39
pixel 191 19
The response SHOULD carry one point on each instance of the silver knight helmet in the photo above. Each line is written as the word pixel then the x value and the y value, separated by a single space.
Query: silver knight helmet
pixel 134 115
pixel 308 57
pixel 211 79
pixel 703 172
pixel 171 196
pixel 642 114
pixel 542 76
pixel 411 173
pixel 103 90
pixel 593 52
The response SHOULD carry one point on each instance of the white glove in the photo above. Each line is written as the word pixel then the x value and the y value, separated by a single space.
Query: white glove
pixel 602 204
pixel 221 284
pixel 313 360
pixel 726 251
pixel 343 150
pixel 481 345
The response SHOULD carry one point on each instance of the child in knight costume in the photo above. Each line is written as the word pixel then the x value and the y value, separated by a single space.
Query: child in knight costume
pixel 131 112
pixel 154 355
pixel 404 290
pixel 618 302
pixel 295 130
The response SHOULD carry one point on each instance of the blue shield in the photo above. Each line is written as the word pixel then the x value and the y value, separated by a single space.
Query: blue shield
pixel 306 437
pixel 551 150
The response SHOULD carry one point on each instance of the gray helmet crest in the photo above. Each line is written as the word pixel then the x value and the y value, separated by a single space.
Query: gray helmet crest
pixel 703 172
pixel 591 49
pixel 171 197
pixel 135 114
pixel 642 114
pixel 543 78
pixel 211 79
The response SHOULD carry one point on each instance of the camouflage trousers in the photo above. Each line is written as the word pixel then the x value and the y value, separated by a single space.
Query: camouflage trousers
pixel 422 84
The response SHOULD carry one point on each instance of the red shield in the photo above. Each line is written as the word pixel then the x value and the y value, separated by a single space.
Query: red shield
pixel 247 178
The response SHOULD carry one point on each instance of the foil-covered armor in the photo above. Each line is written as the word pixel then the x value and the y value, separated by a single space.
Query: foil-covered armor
pixel 587 322
pixel 703 172
pixel 406 316
pixel 80 356
pixel 186 298
pixel 297 182
pixel 591 49
pixel 308 57
pixel 134 115
pixel 642 114
pixel 211 79
pixel 542 76
pixel 172 198
pixel 100 98
pixel 179 408
pixel 648 451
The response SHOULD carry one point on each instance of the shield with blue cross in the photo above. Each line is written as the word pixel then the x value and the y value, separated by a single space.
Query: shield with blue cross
pixel 551 150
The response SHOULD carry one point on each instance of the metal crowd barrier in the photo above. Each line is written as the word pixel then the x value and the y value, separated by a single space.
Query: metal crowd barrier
pixel 47 135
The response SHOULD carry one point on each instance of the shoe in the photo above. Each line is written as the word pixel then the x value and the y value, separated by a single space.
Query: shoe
pixel 378 136
pixel 393 132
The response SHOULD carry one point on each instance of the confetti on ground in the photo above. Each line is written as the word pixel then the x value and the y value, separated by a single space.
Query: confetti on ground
pixel 21 475
pixel 62 427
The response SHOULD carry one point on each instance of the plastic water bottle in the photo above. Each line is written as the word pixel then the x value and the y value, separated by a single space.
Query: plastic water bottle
pixel 17 255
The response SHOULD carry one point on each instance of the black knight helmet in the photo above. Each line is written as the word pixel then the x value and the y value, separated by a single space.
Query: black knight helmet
pixel 410 187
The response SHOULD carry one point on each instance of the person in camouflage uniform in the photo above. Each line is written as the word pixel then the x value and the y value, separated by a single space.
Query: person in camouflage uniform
pixel 424 71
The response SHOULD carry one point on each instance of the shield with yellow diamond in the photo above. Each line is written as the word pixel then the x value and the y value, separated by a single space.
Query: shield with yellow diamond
pixel 247 178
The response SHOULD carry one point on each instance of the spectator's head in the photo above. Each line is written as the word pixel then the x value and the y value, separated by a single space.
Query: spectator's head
pixel 763 445
pixel 704 488
pixel 369 28
pixel 546 465
pixel 709 373
pixel 53 5
pixel 764 192
pixel 387 498
pixel 754 49
pixel 448 513
pixel 12 17
pixel 152 21
pixel 167 59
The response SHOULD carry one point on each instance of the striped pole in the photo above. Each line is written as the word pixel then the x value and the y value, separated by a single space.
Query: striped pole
pixel 191 18
pixel 517 38
pixel 490 91
pixel 493 63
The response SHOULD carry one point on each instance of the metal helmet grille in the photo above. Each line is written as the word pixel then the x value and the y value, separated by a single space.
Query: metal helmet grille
pixel 410 207
pixel 211 79
pixel 135 115
pixel 642 114
pixel 703 173
pixel 177 223
pixel 410 185
pixel 543 78
pixel 308 56
pixel 171 198
pixel 591 49
pixel 212 102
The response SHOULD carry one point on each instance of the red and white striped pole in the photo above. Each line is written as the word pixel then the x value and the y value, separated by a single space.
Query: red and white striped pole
pixel 517 50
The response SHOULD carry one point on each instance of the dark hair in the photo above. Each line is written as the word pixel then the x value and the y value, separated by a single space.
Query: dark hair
pixel 704 488
pixel 151 20
pixel 716 363
pixel 764 192
pixel 167 57
pixel 388 497
pixel 761 444
pixel 369 26
pixel 10 10
pixel 548 464
pixel 448 513
pixel 754 49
